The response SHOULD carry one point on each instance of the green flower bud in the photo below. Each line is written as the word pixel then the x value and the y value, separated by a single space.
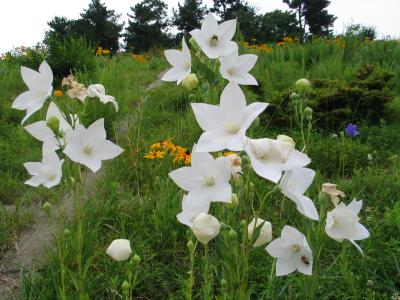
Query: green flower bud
pixel 303 85
pixel 67 232
pixel 53 123
pixel 190 82
pixel 243 223
pixel 190 246
pixel 47 208
pixel 136 259
pixel 232 235
pixel 224 284
pixel 125 287
pixel 234 201
pixel 308 111
pixel 323 197
pixel 294 96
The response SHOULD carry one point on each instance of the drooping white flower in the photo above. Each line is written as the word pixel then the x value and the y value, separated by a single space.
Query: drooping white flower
pixel 48 172
pixel 205 227
pixel 98 90
pixel 236 164
pixel 236 68
pixel 265 231
pixel 206 180
pixel 39 89
pixel 181 62
pixel 293 185
pixel 225 125
pixel 343 223
pixel 89 146
pixel 213 39
pixel 119 249
pixel 40 131
pixel 191 209
pixel 333 192
pixel 292 252
pixel 270 157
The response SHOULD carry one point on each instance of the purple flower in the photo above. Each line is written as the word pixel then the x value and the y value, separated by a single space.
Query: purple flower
pixel 351 130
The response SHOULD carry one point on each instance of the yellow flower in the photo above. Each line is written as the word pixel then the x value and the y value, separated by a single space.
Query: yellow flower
pixel 57 93
pixel 154 154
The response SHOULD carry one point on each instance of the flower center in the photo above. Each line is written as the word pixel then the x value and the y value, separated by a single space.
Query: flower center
pixel 88 149
pixel 49 174
pixel 213 40
pixel 232 71
pixel 232 127
pixel 209 180
pixel 295 248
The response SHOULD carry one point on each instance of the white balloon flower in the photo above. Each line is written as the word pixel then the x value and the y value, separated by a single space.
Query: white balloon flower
pixel 270 157
pixel 40 131
pixel 205 227
pixel 343 223
pixel 225 125
pixel 265 231
pixel 213 39
pixel 181 62
pixel 89 146
pixel 206 180
pixel 292 252
pixel 98 90
pixel 119 250
pixel 236 68
pixel 39 89
pixel 48 172
pixel 293 185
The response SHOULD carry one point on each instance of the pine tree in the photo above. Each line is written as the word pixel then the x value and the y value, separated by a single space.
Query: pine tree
pixel 188 16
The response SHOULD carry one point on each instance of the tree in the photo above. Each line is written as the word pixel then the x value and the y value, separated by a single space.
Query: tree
pixel 99 26
pixel 312 13
pixel 275 25
pixel 188 16
pixel 60 28
pixel 147 26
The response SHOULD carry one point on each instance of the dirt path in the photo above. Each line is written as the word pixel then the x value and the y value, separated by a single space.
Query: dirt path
pixel 29 250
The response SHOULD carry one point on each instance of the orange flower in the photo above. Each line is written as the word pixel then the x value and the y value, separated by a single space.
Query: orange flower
pixel 57 93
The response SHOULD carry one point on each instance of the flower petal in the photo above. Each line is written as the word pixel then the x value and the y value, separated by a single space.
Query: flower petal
pixel 226 30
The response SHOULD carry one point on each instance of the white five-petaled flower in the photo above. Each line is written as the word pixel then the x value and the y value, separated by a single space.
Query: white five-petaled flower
pixel 98 90
pixel 119 250
pixel 40 131
pixel 214 39
pixel 343 223
pixel 225 125
pixel 191 209
pixel 270 157
pixel 236 68
pixel 292 252
pixel 181 63
pixel 89 146
pixel 265 231
pixel 293 185
pixel 206 180
pixel 40 88
pixel 205 227
pixel 48 172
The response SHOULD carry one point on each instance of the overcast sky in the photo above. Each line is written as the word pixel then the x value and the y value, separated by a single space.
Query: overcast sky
pixel 24 22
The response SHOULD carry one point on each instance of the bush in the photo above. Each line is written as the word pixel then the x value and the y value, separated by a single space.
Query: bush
pixel 70 55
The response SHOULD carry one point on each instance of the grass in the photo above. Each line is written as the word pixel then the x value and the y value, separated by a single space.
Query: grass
pixel 136 200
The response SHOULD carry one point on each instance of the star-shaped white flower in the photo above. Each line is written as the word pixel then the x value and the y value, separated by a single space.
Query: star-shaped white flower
pixel 236 68
pixel 343 223
pixel 292 252
pixel 214 39
pixel 206 180
pixel 98 90
pixel 39 89
pixel 191 208
pixel 225 125
pixel 270 157
pixel 293 185
pixel 181 62
pixel 89 146
pixel 48 172
pixel 40 131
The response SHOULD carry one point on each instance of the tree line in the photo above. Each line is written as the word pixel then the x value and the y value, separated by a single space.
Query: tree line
pixel 150 26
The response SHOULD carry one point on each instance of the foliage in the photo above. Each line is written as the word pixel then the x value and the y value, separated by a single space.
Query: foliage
pixel 188 16
pixel 146 26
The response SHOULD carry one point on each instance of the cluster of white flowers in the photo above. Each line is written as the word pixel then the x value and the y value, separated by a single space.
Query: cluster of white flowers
pixel 207 180
pixel 60 132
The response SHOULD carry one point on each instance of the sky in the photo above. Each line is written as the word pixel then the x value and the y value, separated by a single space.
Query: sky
pixel 24 22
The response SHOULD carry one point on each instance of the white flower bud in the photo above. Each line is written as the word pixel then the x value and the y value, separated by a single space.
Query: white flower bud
pixel 205 227
pixel 119 250
pixel 265 232
pixel 190 82
pixel 303 85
